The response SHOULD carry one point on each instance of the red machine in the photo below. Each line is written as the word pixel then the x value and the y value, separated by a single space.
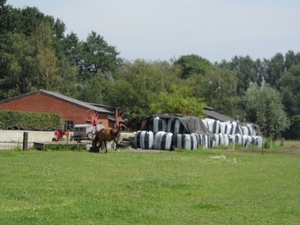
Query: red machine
pixel 93 114
pixel 120 121
pixel 94 120
pixel 59 134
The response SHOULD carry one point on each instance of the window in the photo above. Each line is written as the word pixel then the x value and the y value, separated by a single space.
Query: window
pixel 69 125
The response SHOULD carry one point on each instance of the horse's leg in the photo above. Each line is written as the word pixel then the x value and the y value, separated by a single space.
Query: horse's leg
pixel 116 143
pixel 105 147
pixel 95 141
pixel 116 140
pixel 99 145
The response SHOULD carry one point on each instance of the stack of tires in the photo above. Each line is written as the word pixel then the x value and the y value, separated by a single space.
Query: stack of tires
pixel 167 134
pixel 233 132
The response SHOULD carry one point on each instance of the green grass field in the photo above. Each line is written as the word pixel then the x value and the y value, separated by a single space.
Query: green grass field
pixel 181 187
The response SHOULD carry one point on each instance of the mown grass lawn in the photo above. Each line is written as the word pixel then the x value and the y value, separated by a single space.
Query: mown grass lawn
pixel 182 187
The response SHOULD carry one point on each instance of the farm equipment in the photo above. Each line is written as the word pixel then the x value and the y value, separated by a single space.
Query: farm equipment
pixel 120 121
pixel 59 134
pixel 85 131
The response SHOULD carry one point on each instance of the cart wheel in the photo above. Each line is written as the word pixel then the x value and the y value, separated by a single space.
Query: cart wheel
pixel 90 135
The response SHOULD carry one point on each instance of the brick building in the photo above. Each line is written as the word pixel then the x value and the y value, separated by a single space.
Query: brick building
pixel 72 110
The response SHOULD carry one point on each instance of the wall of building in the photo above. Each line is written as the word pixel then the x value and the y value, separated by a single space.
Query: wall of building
pixel 43 103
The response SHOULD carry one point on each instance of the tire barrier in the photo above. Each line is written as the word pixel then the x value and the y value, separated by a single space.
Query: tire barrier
pixel 163 140
pixel 247 129
pixel 259 141
pixel 157 124
pixel 203 141
pixel 229 127
pixel 169 133
pixel 239 139
pixel 144 139
pixel 175 126
pixel 233 127
pixel 212 125
pixel 246 140
pixel 190 142
pixel 216 142
pixel 222 140
pixel 186 141
pixel 225 140
pixel 232 132
pixel 168 141
pixel 177 141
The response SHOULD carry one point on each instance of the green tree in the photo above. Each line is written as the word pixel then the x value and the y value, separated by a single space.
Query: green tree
pixel 178 101
pixel 290 90
pixel 293 132
pixel 274 70
pixel 7 20
pixel 48 73
pixel 71 49
pixel 193 64
pixel 137 85
pixel 17 65
pixel 97 57
pixel 247 72
pixel 263 106
pixel 93 90
pixel 68 74
pixel 58 29
pixel 217 88
pixel 291 59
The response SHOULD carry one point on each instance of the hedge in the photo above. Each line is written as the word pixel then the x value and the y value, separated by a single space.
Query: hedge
pixel 30 119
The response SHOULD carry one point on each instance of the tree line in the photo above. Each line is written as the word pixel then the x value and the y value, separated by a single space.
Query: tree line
pixel 37 54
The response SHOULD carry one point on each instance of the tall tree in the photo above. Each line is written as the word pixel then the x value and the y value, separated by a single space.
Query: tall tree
pixel 275 69
pixel 93 90
pixel 97 57
pixel 71 49
pixel 193 64
pixel 293 132
pixel 263 106
pixel 291 59
pixel 48 75
pixel 138 85
pixel 58 29
pixel 290 90
pixel 68 74
pixel 179 101
pixel 17 65
pixel 218 88
pixel 246 72
pixel 29 19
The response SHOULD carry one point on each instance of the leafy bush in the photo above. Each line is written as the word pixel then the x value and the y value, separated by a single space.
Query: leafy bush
pixel 65 147
pixel 30 119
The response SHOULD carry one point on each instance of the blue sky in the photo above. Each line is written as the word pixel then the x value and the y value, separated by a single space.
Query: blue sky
pixel 167 29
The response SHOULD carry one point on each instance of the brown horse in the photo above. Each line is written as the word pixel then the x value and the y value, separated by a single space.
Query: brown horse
pixel 105 135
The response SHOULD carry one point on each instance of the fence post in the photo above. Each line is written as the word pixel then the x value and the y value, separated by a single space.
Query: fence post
pixel 25 141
